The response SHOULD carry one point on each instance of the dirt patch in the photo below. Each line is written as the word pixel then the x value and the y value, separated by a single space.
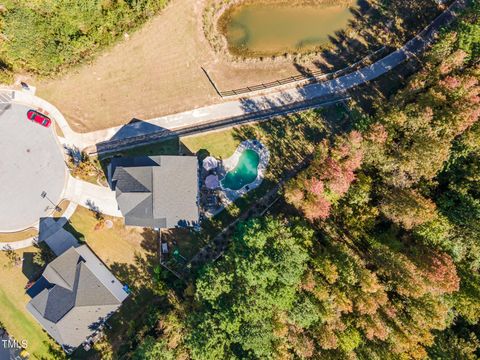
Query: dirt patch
pixel 158 71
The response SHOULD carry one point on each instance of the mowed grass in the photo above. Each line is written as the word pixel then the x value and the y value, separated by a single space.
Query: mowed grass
pixel 155 71
pixel 221 144
pixel 130 254
pixel 13 312
pixel 116 245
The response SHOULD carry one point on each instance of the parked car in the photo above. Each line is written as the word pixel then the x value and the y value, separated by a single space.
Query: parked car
pixel 39 118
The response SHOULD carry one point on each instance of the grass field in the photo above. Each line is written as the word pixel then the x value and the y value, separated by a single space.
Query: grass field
pixel 14 315
pixel 19 235
pixel 116 245
pixel 130 253
pixel 157 71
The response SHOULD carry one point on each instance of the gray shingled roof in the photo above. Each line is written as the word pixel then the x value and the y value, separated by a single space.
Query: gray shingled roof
pixel 83 295
pixel 156 191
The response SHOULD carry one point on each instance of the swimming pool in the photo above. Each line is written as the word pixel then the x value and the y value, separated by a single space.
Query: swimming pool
pixel 245 171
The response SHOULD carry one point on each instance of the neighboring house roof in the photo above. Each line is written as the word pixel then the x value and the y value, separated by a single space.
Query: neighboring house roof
pixel 80 293
pixel 156 191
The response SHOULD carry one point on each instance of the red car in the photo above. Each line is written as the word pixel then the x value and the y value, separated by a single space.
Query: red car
pixel 39 118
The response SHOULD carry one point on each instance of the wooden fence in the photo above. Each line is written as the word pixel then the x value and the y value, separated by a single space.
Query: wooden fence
pixel 314 76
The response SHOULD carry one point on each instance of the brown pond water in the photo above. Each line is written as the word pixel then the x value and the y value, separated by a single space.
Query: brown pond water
pixel 265 30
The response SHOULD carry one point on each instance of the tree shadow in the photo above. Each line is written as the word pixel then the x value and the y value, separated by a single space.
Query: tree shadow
pixel 34 262
pixel 29 268
pixel 291 138
pixel 374 26
pixel 147 296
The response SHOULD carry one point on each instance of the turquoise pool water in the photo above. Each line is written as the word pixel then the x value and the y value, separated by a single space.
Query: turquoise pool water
pixel 244 173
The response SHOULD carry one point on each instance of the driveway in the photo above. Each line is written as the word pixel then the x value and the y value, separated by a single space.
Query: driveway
pixel 95 197
pixel 31 163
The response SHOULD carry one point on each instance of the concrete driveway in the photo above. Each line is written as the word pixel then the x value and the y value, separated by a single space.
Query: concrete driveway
pixel 31 162
pixel 94 197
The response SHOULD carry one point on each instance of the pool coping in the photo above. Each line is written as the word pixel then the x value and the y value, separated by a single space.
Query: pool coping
pixel 264 154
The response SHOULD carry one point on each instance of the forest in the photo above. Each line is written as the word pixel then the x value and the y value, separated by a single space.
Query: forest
pixel 44 37
pixel 375 252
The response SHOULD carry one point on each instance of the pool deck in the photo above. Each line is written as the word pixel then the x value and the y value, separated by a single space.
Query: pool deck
pixel 228 195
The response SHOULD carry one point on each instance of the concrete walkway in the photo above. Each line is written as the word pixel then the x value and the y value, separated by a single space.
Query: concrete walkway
pixel 271 99
pixel 103 199
pixel 78 192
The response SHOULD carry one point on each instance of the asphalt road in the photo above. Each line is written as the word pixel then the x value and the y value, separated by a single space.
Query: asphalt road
pixel 30 162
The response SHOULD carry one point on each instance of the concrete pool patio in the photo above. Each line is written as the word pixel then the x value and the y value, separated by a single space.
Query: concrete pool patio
pixel 231 163
pixel 220 169
pixel 275 98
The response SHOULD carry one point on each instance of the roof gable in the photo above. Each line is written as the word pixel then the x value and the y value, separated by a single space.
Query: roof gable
pixel 70 315
pixel 90 291
pixel 172 182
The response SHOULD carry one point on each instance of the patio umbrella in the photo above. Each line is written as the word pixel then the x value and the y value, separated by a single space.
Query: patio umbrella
pixel 211 182
pixel 210 163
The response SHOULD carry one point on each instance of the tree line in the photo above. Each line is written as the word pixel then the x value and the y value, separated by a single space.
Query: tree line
pixel 375 253
pixel 46 36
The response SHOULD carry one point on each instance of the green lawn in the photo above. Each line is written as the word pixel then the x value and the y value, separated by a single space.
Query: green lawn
pixel 13 300
pixel 116 245
pixel 219 144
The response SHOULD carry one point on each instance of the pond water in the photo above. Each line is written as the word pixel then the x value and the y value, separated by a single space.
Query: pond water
pixel 266 30
pixel 244 173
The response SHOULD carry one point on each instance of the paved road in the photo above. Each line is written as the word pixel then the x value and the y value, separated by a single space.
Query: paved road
pixel 31 162
pixel 256 104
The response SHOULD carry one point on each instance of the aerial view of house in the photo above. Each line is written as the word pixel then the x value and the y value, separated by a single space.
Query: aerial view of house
pixel 74 297
pixel 240 179
pixel 156 191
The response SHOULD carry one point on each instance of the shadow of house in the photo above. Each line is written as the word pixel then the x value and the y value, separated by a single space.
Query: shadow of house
pixel 29 268
pixel 134 134
pixel 34 262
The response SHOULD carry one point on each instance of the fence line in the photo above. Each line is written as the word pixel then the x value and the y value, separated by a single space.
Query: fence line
pixel 111 146
pixel 318 75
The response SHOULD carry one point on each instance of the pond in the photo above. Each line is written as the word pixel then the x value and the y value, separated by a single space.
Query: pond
pixel 244 173
pixel 255 30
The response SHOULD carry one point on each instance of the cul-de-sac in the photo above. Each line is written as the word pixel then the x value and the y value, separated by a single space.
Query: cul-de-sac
pixel 239 179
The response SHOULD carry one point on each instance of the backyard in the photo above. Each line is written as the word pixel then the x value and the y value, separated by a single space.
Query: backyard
pixel 132 255
pixel 13 300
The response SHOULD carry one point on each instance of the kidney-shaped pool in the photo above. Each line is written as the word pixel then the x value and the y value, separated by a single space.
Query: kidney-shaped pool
pixel 244 173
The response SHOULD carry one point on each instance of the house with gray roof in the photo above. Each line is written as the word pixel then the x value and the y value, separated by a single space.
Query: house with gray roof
pixel 74 296
pixel 156 191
